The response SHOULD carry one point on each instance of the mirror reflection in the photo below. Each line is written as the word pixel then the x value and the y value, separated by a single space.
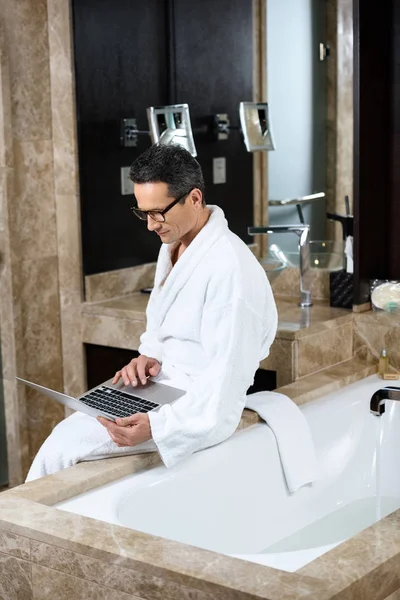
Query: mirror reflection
pixel 297 92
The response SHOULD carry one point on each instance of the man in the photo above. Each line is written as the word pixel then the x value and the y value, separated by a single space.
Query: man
pixel 211 318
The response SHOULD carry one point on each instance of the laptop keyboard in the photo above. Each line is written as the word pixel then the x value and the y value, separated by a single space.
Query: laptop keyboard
pixel 117 403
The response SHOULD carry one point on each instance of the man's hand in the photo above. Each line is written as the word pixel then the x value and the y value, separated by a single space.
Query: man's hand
pixel 129 431
pixel 139 368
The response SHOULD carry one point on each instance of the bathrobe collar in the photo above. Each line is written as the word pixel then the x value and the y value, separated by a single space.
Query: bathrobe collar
pixel 177 276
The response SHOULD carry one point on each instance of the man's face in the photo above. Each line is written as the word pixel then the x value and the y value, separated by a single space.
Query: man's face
pixel 180 220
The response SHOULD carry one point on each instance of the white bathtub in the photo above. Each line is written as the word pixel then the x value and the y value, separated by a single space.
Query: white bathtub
pixel 232 498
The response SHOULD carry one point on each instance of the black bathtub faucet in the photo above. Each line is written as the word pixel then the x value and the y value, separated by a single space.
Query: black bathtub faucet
pixel 377 404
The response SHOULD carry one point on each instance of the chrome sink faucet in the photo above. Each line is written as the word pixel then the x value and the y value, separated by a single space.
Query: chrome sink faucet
pixel 303 232
pixel 377 404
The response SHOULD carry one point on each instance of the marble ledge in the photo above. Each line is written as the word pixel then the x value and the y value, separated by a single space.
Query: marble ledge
pixel 112 284
pixel 294 322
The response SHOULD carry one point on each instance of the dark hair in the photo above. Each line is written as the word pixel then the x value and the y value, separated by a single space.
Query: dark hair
pixel 172 165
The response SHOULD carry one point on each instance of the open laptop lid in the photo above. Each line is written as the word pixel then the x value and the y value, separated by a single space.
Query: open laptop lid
pixel 62 398
pixel 152 391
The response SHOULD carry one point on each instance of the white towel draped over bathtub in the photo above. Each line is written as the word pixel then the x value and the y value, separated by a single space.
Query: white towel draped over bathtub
pixel 292 434
pixel 211 319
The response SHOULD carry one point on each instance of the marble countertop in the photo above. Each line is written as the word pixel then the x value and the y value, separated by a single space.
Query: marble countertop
pixel 294 322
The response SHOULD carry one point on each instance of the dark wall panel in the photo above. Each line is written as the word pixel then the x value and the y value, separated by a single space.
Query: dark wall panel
pixel 377 144
pixel 130 55
pixel 394 218
pixel 120 64
pixel 214 72
pixel 102 362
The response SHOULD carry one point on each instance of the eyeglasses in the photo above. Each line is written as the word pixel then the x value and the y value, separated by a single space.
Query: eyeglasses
pixel 157 215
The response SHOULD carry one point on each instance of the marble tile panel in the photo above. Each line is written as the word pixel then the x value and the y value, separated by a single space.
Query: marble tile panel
pixel 18 455
pixel 112 576
pixel 344 16
pixel 111 331
pixel 5 105
pixel 112 284
pixel 32 220
pixel 15 578
pixel 329 380
pixel 3 192
pixel 360 308
pixel 73 354
pixel 316 352
pixel 25 24
pixel 369 563
pixel 260 159
pixel 9 325
pixel 287 283
pixel 63 98
pixel 331 115
pixel 283 360
pixel 43 415
pixel 15 545
pixel 40 318
pixel 69 244
pixel 53 585
pixel 375 331
pixel 132 306
pixel 249 417
pixel 345 112
pixel 71 292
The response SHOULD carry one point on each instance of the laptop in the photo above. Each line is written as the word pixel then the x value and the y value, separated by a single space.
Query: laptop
pixel 111 400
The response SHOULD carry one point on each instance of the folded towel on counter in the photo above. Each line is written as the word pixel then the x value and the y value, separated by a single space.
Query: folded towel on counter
pixel 293 436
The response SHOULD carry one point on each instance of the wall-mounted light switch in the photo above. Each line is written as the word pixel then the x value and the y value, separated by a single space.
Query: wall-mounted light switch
pixel 126 183
pixel 219 170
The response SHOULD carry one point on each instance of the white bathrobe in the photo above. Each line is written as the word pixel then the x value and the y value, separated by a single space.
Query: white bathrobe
pixel 211 319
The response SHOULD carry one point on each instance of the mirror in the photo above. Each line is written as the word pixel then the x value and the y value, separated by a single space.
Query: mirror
pixel 171 125
pixel 309 84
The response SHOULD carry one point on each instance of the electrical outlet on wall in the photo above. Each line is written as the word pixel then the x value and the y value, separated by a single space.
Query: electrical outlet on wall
pixel 219 170
pixel 126 183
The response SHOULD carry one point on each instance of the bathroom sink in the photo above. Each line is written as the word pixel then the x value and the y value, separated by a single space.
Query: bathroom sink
pixel 273 265
pixel 325 255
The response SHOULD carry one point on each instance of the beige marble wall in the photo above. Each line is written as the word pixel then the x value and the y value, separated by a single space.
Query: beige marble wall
pixel 376 330
pixel 15 415
pixel 340 109
pixel 30 335
pixel 66 193
pixel 41 275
